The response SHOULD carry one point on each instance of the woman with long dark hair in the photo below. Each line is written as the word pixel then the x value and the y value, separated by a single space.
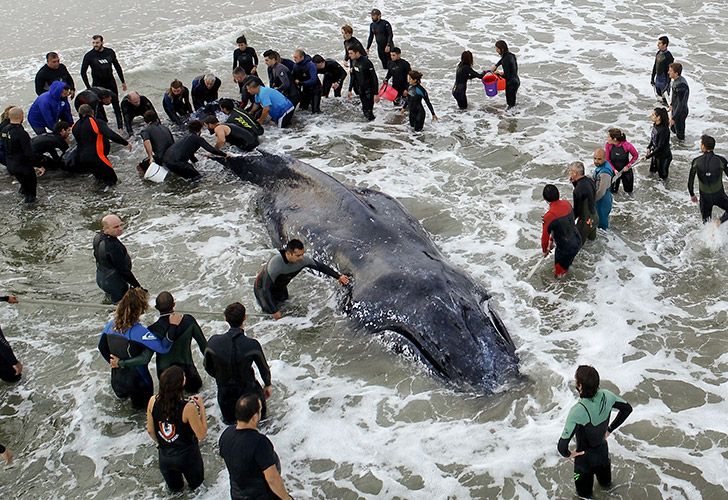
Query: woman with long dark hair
pixel 128 347
pixel 464 73
pixel 510 71
pixel 621 155
pixel 659 147
pixel 177 424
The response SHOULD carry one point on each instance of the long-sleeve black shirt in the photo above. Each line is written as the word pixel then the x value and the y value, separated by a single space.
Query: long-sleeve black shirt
pixel 510 66
pixel 464 73
pixel 19 156
pixel 398 71
pixel 246 59
pixel 161 139
pixel 112 258
pixel 381 31
pixel 585 191
pixel 129 111
pixel 365 75
pixel 184 150
pixel 49 143
pixel 102 63
pixel 709 167
pixel 353 43
pixel 229 358
pixel 659 145
pixel 46 76
pixel 177 107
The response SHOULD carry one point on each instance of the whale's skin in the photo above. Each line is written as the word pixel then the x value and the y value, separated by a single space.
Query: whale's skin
pixel 401 281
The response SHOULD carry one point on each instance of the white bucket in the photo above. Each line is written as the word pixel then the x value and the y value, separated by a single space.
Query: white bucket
pixel 156 173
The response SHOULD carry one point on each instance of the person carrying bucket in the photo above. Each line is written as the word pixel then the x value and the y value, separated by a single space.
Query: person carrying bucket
pixel 510 72
pixel 464 73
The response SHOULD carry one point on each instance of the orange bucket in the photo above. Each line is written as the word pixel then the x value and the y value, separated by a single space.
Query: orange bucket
pixel 501 83
pixel 387 92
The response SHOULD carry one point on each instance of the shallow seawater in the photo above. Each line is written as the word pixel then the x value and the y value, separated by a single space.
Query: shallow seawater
pixel 350 416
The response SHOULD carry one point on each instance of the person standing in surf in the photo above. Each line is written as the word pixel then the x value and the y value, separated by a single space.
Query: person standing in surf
pixel 176 424
pixel 660 81
pixel 464 73
pixel 658 150
pixel 709 168
pixel 622 156
pixel 510 72
pixel 559 231
pixel 603 173
pixel 585 209
pixel 416 93
pixel 680 93
pixel 589 420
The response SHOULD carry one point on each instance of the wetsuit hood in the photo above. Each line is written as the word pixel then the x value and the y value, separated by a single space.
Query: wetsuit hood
pixel 56 89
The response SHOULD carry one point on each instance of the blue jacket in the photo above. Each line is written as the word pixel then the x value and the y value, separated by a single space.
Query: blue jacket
pixel 49 107
pixel 306 72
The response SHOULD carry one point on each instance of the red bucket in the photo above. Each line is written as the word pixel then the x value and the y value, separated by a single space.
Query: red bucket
pixel 490 82
pixel 387 92
pixel 501 83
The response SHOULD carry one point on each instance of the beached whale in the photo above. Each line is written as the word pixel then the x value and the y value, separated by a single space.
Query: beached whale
pixel 401 281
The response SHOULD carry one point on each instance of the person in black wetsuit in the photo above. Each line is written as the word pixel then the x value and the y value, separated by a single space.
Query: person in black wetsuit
pixel 178 157
pixel 351 42
pixel 113 264
pixel 102 61
pixel 204 90
pixel 10 368
pixel 47 146
pixel 134 105
pixel 363 77
pixel 239 117
pixel 559 231
pixel 6 454
pixel 232 134
pixel 92 139
pixel 709 167
pixel 157 139
pixel 97 98
pixel 334 75
pixel 245 57
pixel 53 71
pixel 279 76
pixel 663 59
pixel 179 329
pixel 381 30
pixel 510 72
pixel 175 424
pixel 229 359
pixel 585 210
pixel 242 79
pixel 19 156
pixel 416 93
pixel 305 77
pixel 128 347
pixel 680 93
pixel 176 103
pixel 398 70
pixel 252 463
pixel 271 284
pixel 589 420
pixel 464 73
pixel 658 150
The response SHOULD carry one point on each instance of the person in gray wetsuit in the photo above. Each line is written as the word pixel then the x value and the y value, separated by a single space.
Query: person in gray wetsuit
pixel 271 284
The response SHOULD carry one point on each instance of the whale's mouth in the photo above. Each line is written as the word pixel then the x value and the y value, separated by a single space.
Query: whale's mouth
pixel 415 347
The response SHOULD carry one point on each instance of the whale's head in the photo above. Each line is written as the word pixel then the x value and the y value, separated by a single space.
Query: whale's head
pixel 441 315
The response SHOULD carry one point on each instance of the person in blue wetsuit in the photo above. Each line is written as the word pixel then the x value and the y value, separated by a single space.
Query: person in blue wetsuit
pixel 559 231
pixel 272 104
pixel 50 107
pixel 416 93
pixel 128 347
pixel 603 173
pixel 589 421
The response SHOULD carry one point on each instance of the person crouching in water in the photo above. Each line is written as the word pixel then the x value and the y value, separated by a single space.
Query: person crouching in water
pixel 416 93
pixel 559 231
pixel 128 347
pixel 176 424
